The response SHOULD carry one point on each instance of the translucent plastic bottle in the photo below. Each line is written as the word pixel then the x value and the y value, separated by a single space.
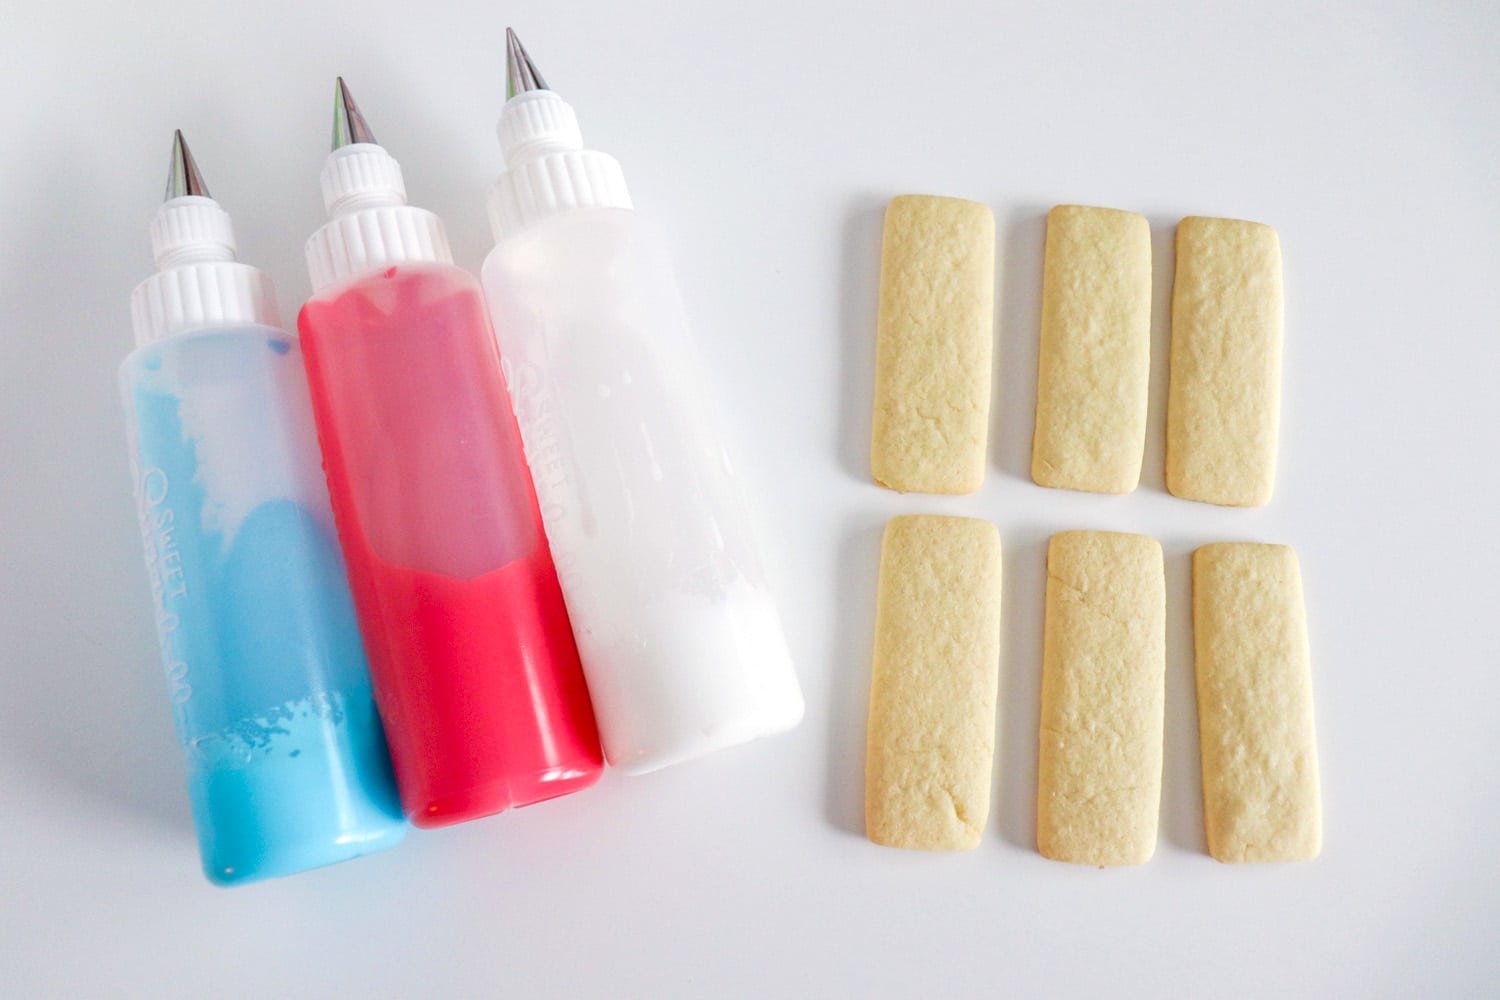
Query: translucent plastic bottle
pixel 287 764
pixel 476 671
pixel 681 643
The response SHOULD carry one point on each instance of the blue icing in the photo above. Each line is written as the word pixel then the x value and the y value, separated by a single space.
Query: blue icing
pixel 288 764
pixel 284 601
pixel 307 786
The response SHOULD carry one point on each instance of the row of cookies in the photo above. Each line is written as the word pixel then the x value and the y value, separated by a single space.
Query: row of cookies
pixel 935 683
pixel 936 331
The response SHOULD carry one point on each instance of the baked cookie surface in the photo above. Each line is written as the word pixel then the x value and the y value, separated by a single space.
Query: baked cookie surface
pixel 934 684
pixel 934 345
pixel 1104 664
pixel 1224 397
pixel 1255 705
pixel 1094 359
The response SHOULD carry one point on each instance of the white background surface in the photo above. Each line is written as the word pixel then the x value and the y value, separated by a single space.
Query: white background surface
pixel 765 137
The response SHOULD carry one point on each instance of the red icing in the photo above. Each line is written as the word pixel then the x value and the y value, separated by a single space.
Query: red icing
pixel 473 661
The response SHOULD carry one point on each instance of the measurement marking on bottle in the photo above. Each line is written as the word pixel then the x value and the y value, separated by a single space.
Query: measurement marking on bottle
pixel 164 567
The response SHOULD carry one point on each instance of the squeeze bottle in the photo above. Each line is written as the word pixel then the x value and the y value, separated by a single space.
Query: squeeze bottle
pixel 475 670
pixel 287 767
pixel 681 644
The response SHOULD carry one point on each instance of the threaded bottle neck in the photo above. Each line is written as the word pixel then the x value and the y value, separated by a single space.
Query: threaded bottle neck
pixel 198 284
pixel 370 224
pixel 548 170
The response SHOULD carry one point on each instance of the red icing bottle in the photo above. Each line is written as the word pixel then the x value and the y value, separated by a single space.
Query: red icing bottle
pixel 473 661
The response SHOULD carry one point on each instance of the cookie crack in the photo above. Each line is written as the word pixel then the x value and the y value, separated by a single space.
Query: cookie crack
pixel 1083 600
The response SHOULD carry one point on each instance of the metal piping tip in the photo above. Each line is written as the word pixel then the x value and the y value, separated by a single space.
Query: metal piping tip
pixel 349 126
pixel 520 72
pixel 183 177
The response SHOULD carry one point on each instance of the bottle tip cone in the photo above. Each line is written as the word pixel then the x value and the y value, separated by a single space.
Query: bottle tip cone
pixel 183 177
pixel 349 126
pixel 520 72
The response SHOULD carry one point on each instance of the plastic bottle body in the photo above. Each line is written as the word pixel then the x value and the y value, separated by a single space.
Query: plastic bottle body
pixel 681 642
pixel 475 668
pixel 287 762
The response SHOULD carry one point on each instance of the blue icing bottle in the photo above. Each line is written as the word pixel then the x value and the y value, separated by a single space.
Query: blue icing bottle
pixel 287 763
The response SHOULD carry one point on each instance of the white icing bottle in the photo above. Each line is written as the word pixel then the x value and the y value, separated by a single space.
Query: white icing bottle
pixel 680 641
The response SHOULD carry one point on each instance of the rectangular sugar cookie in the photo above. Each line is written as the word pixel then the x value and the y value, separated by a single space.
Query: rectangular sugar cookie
pixel 1255 710
pixel 932 694
pixel 1103 678
pixel 1094 363
pixel 1224 399
pixel 934 342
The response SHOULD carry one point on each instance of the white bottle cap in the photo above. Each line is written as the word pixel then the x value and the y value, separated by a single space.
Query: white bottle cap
pixel 549 171
pixel 370 224
pixel 199 284
pixel 189 229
